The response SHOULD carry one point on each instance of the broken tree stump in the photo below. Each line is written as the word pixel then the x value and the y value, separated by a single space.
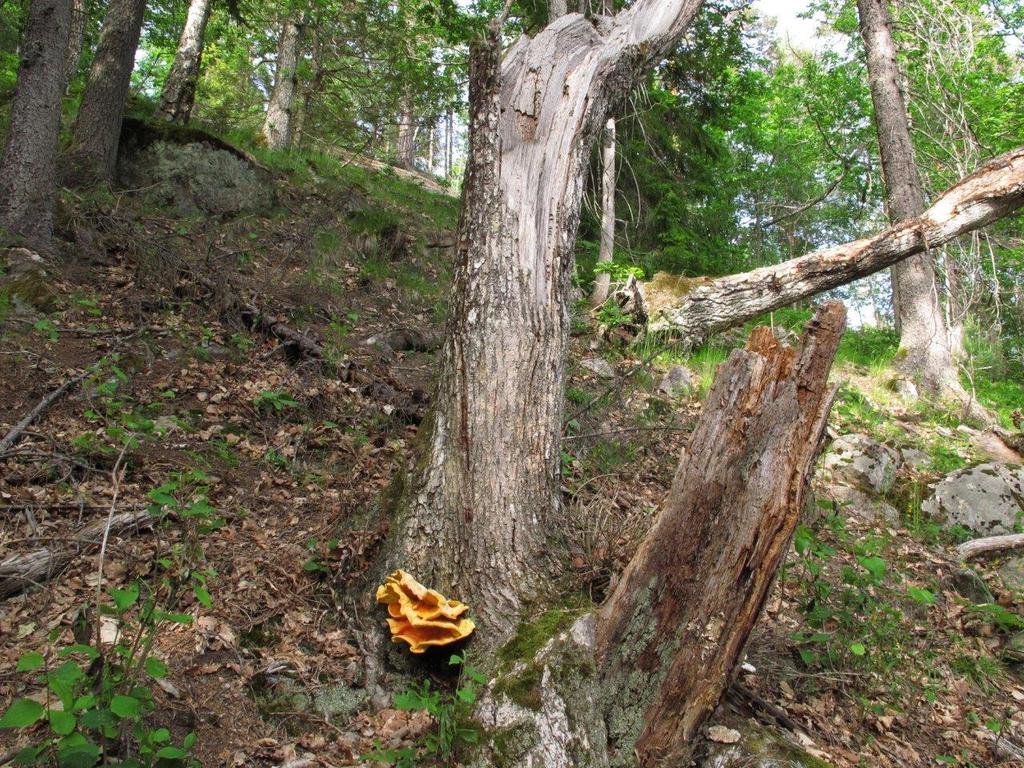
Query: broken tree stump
pixel 669 637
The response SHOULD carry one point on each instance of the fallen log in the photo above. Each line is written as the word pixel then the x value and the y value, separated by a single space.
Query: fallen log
pixel 990 545
pixel 20 571
pixel 409 406
pixel 669 637
pixel 695 308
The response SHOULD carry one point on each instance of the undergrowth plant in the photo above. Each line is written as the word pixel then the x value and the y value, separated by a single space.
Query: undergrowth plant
pixel 97 692
pixel 451 713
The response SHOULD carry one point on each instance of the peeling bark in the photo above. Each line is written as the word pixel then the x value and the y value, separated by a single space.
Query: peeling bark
pixel 179 92
pixel 278 125
pixel 28 168
pixel 693 309
pixel 93 154
pixel 476 519
pixel 603 280
pixel 670 635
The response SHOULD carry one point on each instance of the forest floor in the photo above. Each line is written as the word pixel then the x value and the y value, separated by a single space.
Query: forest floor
pixel 265 465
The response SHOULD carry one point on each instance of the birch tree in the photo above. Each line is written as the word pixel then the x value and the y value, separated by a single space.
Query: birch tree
pixel 179 92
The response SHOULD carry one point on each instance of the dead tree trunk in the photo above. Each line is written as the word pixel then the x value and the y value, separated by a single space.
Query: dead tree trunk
pixel 28 168
pixel 179 92
pixel 278 125
pixel 924 340
pixel 603 280
pixel 93 154
pixel 475 519
pixel 685 605
pixel 693 309
pixel 666 643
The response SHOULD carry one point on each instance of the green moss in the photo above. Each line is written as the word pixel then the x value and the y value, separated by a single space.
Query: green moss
pixel 523 688
pixel 531 636
pixel 509 745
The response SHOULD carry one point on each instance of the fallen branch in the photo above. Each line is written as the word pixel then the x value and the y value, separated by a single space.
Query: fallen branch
pixel 409 406
pixel 12 436
pixel 990 545
pixel 695 308
pixel 20 571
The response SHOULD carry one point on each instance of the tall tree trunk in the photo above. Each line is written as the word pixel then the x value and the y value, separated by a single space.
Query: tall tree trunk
pixel 485 495
pixel 693 309
pixel 28 167
pixel 97 133
pixel 179 93
pixel 924 341
pixel 406 153
pixel 603 279
pixel 278 125
pixel 76 37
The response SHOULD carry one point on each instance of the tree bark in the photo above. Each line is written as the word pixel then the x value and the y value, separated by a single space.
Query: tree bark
pixel 924 340
pixel 76 37
pixel 603 279
pixel 673 630
pixel 28 168
pixel 990 545
pixel 94 142
pixel 693 309
pixel 179 92
pixel 406 141
pixel 277 127
pixel 483 497
pixel 632 684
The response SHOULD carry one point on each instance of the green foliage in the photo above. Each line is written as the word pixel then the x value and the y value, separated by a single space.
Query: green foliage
pixel 98 700
pixel 450 711
pixel 275 400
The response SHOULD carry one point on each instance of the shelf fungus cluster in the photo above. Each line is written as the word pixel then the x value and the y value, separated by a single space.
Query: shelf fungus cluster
pixel 422 617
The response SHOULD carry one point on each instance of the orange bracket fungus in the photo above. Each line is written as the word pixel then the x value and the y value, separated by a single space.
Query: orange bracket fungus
pixel 422 617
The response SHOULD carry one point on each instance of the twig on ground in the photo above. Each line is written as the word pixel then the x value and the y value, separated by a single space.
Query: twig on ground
pixel 116 475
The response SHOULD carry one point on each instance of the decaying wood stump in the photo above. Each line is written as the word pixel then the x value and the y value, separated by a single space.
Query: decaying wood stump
pixel 663 648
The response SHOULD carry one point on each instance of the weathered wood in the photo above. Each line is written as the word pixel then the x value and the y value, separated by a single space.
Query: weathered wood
pixel 670 635
pixel 16 431
pixel 20 571
pixel 693 309
pixel 476 520
pixel 990 545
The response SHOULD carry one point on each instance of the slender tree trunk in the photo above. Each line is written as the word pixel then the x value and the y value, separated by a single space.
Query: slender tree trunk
pixel 693 309
pixel 76 37
pixel 485 495
pixel 406 154
pixel 97 133
pixel 179 93
pixel 28 167
pixel 278 126
pixel 449 144
pixel 603 279
pixel 924 341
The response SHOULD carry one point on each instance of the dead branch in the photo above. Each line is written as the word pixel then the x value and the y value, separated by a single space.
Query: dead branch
pixel 990 545
pixel 12 436
pixel 20 571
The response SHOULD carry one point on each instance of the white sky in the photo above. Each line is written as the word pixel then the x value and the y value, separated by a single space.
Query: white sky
pixel 800 32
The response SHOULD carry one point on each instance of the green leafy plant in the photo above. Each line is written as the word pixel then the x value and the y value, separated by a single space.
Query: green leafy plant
pixel 450 711
pixel 96 694
pixel 274 399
